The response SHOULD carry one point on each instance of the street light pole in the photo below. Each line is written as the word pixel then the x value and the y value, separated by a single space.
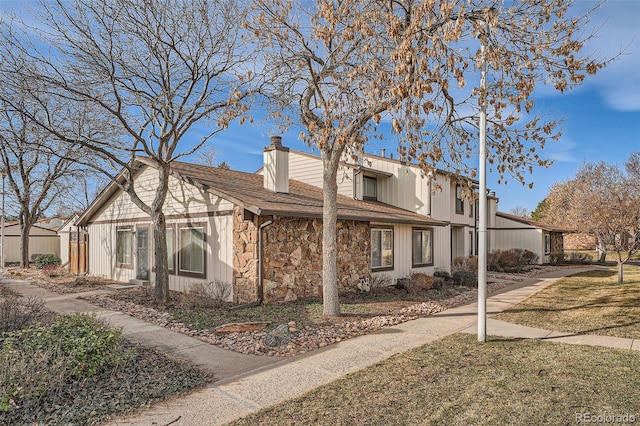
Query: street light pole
pixel 482 216
pixel 3 174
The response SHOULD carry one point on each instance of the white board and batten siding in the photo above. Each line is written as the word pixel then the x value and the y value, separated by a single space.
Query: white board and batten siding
pixel 526 237
pixel 185 204
pixel 403 255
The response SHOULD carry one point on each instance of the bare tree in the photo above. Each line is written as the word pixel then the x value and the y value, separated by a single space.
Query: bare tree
pixel 37 178
pixel 603 201
pixel 339 68
pixel 145 72
pixel 520 211
pixel 207 156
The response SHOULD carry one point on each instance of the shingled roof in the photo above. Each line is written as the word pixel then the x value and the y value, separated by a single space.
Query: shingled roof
pixel 534 224
pixel 303 200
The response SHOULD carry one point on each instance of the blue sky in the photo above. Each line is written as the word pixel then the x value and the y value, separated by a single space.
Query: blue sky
pixel 601 117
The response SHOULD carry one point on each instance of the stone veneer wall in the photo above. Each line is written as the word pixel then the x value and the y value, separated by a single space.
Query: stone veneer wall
pixel 557 242
pixel 292 250
pixel 293 257
pixel 245 257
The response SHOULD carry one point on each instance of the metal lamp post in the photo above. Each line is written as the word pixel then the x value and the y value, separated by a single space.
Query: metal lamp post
pixel 3 174
pixel 482 216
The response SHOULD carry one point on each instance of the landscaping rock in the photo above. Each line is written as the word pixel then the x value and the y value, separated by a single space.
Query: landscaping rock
pixel 240 327
pixel 278 336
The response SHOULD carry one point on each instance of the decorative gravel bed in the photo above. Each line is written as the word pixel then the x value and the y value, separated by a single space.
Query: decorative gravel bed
pixel 304 337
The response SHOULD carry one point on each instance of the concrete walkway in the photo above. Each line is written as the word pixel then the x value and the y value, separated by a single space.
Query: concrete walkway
pixel 250 383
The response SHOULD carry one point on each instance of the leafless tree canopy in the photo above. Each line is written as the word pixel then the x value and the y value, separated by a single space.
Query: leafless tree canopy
pixel 604 201
pixel 340 68
pixel 138 75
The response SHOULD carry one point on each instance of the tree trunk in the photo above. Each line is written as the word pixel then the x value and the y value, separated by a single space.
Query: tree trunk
pixel 330 299
pixel 620 273
pixel 24 245
pixel 161 294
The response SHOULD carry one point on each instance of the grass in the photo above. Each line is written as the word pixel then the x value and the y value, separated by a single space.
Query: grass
pixel 457 381
pixel 586 303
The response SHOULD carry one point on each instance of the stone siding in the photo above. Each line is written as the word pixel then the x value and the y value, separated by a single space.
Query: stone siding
pixel 245 257
pixel 557 242
pixel 292 255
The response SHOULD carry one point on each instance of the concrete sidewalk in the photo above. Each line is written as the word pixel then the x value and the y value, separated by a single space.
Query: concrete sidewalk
pixel 250 383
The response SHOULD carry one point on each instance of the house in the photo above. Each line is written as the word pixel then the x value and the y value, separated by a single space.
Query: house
pixel 438 195
pixel 516 232
pixel 261 235
pixel 43 239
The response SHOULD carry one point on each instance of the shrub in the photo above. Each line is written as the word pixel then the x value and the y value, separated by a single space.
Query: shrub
pixel 416 283
pixel 556 258
pixel 380 282
pixel 85 342
pixel 52 270
pixel 47 259
pixel 576 257
pixel 441 278
pixel 17 312
pixel 513 260
pixel 467 264
pixel 465 278
pixel 213 294
pixel 37 359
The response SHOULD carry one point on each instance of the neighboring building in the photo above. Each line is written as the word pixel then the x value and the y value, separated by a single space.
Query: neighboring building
pixel 518 232
pixel 262 235
pixel 43 239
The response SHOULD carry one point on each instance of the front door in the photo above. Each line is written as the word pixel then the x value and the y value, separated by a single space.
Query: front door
pixel 142 253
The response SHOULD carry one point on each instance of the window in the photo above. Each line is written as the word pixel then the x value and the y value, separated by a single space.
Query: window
pixel 459 200
pixel 171 254
pixel 381 248
pixel 422 247
pixel 547 243
pixel 369 188
pixel 124 238
pixel 191 258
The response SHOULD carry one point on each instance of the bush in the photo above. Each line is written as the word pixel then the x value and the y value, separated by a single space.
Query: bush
pixel 86 343
pixel 416 283
pixel 556 258
pixel 466 264
pixel 580 258
pixel 440 278
pixel 35 359
pixel 17 313
pixel 213 294
pixel 465 278
pixel 52 270
pixel 47 259
pixel 380 282
pixel 513 260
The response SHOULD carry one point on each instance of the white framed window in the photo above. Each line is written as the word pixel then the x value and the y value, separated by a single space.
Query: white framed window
pixel 171 253
pixel 124 247
pixel 381 248
pixel 369 188
pixel 459 200
pixel 422 247
pixel 547 243
pixel 191 259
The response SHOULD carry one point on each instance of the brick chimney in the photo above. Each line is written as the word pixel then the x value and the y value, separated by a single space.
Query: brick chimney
pixel 276 166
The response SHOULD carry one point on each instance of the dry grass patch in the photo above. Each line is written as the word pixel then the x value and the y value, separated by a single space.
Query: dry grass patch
pixel 586 303
pixel 457 381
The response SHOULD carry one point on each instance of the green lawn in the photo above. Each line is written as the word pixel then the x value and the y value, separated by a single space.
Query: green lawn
pixel 587 303
pixel 458 381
